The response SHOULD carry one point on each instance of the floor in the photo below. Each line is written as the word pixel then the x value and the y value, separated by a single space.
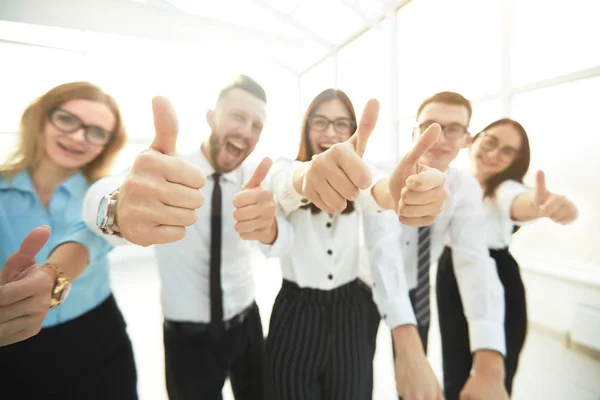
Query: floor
pixel 548 370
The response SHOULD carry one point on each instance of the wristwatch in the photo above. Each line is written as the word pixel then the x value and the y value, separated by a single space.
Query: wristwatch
pixel 62 286
pixel 107 213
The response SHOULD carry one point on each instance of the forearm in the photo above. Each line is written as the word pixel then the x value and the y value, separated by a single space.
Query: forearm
pixel 489 362
pixel 524 208
pixel 298 176
pixel 71 257
pixel 382 195
pixel 406 339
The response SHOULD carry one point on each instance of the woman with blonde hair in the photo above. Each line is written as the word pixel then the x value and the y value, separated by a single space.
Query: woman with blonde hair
pixel 69 137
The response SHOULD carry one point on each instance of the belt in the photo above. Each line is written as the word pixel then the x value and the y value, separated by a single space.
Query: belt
pixel 202 327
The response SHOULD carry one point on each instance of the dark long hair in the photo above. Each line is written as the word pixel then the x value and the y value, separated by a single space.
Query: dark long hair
pixel 306 152
pixel 518 168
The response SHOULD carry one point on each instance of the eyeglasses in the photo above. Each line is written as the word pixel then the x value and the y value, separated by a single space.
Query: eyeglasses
pixel 506 154
pixel 452 131
pixel 341 125
pixel 69 123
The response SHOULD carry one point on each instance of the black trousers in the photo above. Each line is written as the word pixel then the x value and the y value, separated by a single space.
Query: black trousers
pixel 196 363
pixel 423 330
pixel 89 358
pixel 457 357
pixel 321 344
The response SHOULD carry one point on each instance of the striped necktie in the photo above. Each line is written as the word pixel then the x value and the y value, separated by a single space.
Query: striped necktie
pixel 421 304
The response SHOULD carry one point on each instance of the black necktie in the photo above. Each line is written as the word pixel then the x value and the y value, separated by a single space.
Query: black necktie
pixel 216 292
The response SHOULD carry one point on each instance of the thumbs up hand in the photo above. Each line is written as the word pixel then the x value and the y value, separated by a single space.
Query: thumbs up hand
pixel 339 173
pixel 551 205
pixel 255 208
pixel 25 290
pixel 159 197
pixel 417 189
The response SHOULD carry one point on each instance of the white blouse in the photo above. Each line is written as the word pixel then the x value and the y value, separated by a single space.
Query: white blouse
pixel 324 251
pixel 499 225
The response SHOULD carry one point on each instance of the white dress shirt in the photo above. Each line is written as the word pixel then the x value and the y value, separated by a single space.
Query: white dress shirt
pixel 326 249
pixel 462 226
pixel 184 265
pixel 499 225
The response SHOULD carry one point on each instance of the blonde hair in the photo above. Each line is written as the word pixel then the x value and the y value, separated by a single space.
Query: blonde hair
pixel 30 150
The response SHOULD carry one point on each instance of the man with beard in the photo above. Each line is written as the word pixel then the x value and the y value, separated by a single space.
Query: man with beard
pixel 212 326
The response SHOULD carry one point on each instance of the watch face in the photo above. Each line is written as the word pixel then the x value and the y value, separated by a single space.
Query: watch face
pixel 101 216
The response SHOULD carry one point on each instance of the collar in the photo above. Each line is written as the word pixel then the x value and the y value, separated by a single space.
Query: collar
pixel 202 161
pixel 76 185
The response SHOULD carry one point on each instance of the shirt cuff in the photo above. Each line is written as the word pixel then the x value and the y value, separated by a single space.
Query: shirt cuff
pixel 485 335
pixel 366 201
pixel 397 311
pixel 91 203
pixel 279 246
pixel 284 191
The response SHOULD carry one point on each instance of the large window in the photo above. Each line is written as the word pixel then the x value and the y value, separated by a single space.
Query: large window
pixel 190 80
pixel 448 45
pixel 551 38
pixel 315 80
pixel 364 73
pixel 564 143
pixel 28 71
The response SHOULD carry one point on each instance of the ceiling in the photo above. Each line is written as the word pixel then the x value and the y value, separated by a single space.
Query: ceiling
pixel 293 34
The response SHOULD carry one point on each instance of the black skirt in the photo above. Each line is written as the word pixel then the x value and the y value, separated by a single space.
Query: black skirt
pixel 457 358
pixel 89 357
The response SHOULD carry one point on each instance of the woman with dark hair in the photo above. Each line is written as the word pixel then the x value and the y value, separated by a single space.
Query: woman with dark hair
pixel 500 156
pixel 324 321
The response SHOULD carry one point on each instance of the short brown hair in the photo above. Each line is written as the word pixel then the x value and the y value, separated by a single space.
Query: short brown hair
pixel 246 83
pixel 450 98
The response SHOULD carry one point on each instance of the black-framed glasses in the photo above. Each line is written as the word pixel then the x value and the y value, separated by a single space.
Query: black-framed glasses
pixel 68 122
pixel 341 125
pixel 452 131
pixel 506 154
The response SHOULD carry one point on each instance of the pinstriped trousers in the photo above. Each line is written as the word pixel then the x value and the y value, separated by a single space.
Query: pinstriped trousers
pixel 321 344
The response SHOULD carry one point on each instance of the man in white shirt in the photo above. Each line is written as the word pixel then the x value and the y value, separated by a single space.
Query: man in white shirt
pixel 481 291
pixel 212 326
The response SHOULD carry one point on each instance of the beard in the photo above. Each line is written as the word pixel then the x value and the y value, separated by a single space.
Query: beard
pixel 218 146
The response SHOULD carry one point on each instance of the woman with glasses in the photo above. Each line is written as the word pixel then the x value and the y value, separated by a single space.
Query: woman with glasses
pixel 500 157
pixel 69 137
pixel 323 325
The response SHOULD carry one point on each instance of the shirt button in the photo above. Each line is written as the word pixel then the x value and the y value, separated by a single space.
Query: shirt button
pixel 328 224
pixel 330 277
pixel 303 200
pixel 373 284
pixel 407 243
pixel 384 316
pixel 329 252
